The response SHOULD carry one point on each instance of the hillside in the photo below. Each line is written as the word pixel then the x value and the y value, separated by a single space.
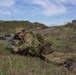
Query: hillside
pixel 59 36
pixel 9 26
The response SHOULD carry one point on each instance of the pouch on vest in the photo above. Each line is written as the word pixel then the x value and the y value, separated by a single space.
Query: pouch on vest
pixel 46 49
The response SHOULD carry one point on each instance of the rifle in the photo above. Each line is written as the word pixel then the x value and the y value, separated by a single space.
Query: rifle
pixel 9 37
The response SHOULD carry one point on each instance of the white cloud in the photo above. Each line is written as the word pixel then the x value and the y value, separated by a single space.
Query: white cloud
pixel 5 6
pixel 73 2
pixel 48 7
pixel 51 7
pixel 6 3
pixel 43 7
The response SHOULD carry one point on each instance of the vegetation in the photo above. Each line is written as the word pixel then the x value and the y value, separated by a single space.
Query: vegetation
pixel 14 64
pixel 9 26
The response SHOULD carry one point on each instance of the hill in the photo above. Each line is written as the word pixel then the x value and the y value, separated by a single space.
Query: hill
pixel 9 26
pixel 71 24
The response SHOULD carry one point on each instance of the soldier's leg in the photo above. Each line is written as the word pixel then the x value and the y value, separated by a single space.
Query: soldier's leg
pixel 59 57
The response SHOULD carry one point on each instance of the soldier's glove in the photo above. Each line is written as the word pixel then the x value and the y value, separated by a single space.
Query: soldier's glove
pixel 15 48
pixel 14 43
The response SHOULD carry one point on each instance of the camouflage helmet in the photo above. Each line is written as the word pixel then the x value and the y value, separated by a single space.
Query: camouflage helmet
pixel 18 30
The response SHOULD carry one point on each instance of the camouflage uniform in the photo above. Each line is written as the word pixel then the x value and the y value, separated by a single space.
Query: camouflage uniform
pixel 36 45
pixel 31 43
pixel 59 57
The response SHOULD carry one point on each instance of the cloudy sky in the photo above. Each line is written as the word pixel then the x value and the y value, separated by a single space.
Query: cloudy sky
pixel 48 12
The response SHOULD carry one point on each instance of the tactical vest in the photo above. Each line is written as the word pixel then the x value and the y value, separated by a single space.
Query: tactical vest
pixel 39 45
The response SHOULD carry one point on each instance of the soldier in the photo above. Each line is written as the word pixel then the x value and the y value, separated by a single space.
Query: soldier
pixel 31 44
pixel 35 45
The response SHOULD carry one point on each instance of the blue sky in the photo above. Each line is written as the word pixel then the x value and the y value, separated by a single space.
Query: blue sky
pixel 48 12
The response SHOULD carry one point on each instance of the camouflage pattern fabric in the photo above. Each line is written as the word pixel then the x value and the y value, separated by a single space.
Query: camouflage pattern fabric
pixel 33 44
pixel 18 29
pixel 36 45
pixel 59 57
pixel 30 43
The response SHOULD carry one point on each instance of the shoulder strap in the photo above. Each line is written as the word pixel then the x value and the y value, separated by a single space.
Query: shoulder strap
pixel 40 38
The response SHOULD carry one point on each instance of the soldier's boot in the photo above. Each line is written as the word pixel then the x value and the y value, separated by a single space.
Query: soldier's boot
pixel 69 63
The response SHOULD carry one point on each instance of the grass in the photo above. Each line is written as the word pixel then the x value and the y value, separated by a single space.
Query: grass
pixel 11 64
pixel 20 65
pixel 57 43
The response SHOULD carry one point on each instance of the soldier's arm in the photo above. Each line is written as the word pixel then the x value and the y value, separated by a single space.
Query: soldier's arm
pixel 24 46
pixel 28 38
pixel 16 47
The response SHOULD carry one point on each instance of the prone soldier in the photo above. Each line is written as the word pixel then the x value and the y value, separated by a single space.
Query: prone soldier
pixel 35 45
pixel 31 43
